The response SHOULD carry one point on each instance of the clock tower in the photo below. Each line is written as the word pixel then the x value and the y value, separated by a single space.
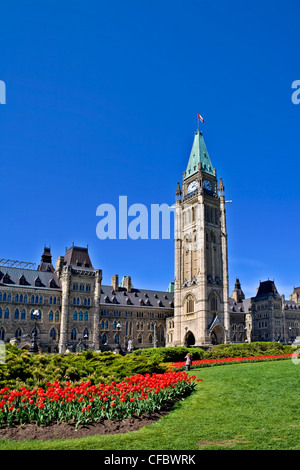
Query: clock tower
pixel 201 312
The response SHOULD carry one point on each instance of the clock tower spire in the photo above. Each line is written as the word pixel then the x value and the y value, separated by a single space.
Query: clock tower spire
pixel 201 316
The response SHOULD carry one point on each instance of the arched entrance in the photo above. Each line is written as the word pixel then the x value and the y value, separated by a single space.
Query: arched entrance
pixel 189 339
pixel 213 338
pixel 217 335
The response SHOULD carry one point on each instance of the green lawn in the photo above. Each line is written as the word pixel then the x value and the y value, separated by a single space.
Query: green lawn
pixel 252 406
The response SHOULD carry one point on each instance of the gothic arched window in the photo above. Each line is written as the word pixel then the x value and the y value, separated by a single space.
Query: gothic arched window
pixel 18 333
pixel 73 334
pixel 190 305
pixel 86 333
pixel 214 303
pixel 53 333
pixel 160 333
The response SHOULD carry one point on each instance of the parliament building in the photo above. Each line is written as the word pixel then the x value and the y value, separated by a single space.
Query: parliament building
pixel 71 310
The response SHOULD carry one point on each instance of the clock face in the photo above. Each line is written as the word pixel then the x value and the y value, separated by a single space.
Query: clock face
pixel 192 186
pixel 207 185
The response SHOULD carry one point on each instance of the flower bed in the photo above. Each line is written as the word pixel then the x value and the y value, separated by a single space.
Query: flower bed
pixel 86 403
pixel 227 360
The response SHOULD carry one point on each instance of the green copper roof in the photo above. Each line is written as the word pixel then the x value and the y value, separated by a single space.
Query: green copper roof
pixel 171 287
pixel 199 154
pixel 122 283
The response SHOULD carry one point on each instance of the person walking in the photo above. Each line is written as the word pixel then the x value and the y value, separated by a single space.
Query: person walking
pixel 129 346
pixel 188 361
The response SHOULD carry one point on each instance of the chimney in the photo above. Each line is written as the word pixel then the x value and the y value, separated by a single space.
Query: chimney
pixel 115 282
pixel 59 265
pixel 127 283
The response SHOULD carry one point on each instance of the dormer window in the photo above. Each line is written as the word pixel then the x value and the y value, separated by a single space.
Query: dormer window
pixel 38 282
pixel 6 279
pixel 52 284
pixel 22 281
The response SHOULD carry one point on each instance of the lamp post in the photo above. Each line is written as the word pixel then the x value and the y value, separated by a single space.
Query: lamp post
pixel 155 340
pixel 34 347
pixel 186 341
pixel 290 335
pixel 85 338
pixel 118 345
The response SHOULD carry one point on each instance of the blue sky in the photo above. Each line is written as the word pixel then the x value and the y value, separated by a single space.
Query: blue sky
pixel 102 100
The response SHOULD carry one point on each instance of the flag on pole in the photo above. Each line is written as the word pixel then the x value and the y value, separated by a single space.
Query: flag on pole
pixel 200 117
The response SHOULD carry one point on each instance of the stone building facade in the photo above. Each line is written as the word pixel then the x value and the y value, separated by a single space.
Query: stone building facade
pixel 75 310
pixel 267 316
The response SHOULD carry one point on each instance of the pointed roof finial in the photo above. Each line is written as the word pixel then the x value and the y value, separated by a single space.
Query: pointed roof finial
pixel 178 191
pixel 199 154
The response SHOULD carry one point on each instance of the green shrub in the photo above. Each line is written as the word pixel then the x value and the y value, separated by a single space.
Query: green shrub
pixel 35 370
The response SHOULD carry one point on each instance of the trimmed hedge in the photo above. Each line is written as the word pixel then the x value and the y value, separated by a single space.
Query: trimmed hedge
pixel 170 354
pixel 176 354
pixel 247 349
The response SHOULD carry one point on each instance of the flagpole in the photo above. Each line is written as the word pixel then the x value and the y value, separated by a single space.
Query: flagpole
pixel 200 118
